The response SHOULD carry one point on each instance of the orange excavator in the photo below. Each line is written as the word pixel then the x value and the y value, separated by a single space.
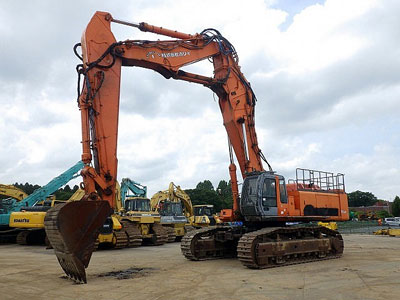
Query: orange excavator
pixel 256 231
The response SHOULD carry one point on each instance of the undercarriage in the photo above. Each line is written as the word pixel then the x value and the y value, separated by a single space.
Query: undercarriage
pixel 264 248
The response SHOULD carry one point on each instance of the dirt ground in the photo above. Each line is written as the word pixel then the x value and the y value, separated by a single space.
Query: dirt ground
pixel 369 269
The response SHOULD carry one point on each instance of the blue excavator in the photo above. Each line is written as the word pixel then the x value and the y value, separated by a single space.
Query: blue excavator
pixel 30 203
pixel 137 189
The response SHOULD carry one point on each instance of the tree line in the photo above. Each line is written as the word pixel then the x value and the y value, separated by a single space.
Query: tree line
pixel 203 193
pixel 359 199
pixel 221 197
pixel 61 194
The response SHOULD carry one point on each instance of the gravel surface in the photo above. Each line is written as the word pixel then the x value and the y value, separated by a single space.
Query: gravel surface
pixel 369 269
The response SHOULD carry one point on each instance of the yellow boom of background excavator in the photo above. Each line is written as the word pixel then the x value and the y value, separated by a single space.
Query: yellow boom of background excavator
pixel 12 191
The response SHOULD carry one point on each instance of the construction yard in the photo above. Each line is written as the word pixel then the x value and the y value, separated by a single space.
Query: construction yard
pixel 369 269
pixel 131 167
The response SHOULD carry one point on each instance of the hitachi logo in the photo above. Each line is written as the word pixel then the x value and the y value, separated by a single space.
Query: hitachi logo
pixel 21 220
pixel 154 54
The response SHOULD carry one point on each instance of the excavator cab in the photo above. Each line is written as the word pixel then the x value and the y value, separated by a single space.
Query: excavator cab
pixel 204 210
pixel 169 208
pixel 137 204
pixel 204 214
pixel 261 195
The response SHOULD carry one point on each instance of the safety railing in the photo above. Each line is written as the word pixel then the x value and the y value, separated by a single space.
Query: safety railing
pixel 307 179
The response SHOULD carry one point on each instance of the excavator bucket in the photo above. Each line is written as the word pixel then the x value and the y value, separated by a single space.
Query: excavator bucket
pixel 72 229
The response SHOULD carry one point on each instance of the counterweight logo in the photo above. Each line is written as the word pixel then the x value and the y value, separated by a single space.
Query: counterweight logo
pixel 154 54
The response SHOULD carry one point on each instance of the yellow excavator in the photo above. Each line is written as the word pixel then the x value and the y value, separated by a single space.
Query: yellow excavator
pixel 204 215
pixel 175 208
pixel 26 218
pixel 111 233
pixel 12 191
pixel 133 222
pixel 177 212
pixel 31 222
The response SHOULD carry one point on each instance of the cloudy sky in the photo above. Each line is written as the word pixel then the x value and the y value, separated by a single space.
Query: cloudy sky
pixel 326 75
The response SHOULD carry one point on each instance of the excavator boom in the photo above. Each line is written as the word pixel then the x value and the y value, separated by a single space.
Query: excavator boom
pixel 12 191
pixel 41 193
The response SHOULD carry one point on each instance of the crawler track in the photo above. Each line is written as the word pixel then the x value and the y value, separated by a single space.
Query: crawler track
pixel 171 234
pixel 160 235
pixel 96 245
pixel 264 248
pixel 282 246
pixel 22 237
pixel 121 239
pixel 209 243
pixel 31 237
pixel 133 234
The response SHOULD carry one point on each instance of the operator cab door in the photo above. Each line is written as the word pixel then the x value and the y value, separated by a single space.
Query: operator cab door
pixel 268 197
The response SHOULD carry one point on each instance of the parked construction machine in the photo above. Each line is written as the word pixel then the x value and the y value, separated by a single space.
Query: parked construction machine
pixel 12 191
pixel 175 208
pixel 29 222
pixel 31 231
pixel 257 231
pixel 26 218
pixel 111 234
pixel 137 218
pixel 18 218
pixel 178 213
pixel 133 222
pixel 204 215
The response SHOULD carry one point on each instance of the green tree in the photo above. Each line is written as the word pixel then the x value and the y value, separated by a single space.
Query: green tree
pixel 64 193
pixel 359 198
pixel 61 194
pixel 204 193
pixel 396 207
pixel 206 185
pixel 382 214
pixel 224 191
pixel 200 196
pixel 27 187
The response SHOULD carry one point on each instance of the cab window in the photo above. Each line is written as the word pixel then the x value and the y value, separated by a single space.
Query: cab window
pixel 282 190
pixel 269 193
pixel 250 191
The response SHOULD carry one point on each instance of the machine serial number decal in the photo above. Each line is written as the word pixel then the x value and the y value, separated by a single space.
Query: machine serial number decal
pixel 153 54
pixel 21 220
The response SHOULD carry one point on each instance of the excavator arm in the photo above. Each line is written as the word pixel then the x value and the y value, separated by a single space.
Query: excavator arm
pixel 173 194
pixel 12 191
pixel 136 188
pixel 98 100
pixel 177 194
